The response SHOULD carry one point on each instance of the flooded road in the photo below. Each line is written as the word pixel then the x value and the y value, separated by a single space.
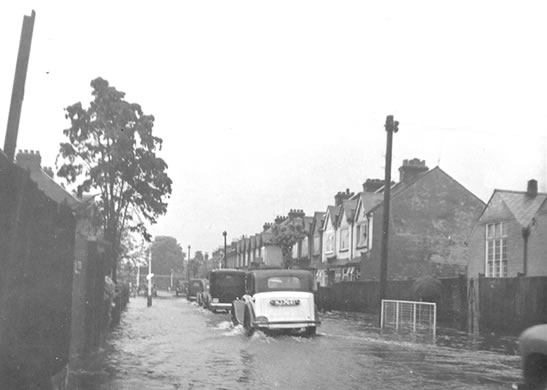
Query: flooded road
pixel 178 345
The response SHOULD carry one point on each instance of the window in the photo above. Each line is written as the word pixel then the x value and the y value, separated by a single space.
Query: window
pixel 284 282
pixel 329 247
pixel 362 235
pixel 316 244
pixel 496 250
pixel 344 239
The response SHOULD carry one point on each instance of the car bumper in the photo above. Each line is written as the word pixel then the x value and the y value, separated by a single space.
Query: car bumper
pixel 219 306
pixel 286 324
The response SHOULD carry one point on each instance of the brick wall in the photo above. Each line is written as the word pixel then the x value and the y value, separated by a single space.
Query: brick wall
pixel 37 251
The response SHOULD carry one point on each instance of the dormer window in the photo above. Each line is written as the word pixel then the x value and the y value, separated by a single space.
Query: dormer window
pixel 361 235
pixel 329 244
pixel 344 239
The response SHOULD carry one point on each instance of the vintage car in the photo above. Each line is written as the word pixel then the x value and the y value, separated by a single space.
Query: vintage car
pixel 277 299
pixel 225 285
pixel 180 288
pixel 195 289
pixel 533 352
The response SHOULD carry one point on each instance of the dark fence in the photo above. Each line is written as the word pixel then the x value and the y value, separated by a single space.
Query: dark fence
pixel 510 305
pixel 36 258
pixel 363 296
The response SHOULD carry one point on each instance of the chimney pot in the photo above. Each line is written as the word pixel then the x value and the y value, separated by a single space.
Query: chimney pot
pixel 532 189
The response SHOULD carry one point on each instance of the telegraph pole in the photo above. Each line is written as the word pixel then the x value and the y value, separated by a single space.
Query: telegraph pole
pixel 18 90
pixel 391 127
pixel 225 252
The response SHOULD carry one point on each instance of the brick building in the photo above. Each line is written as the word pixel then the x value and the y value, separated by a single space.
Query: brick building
pixel 509 237
pixel 431 217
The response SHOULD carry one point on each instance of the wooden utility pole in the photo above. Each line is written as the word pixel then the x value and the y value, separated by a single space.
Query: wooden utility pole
pixel 18 91
pixel 391 127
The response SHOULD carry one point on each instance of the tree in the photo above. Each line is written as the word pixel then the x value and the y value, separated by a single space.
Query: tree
pixel 167 256
pixel 111 150
pixel 286 234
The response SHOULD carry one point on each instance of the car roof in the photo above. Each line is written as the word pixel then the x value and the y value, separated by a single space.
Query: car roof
pixel 228 271
pixel 267 273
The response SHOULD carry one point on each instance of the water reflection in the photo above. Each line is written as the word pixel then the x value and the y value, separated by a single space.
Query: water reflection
pixel 247 362
pixel 176 345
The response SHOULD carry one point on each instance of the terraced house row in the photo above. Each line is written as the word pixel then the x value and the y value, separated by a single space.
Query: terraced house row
pixel 437 227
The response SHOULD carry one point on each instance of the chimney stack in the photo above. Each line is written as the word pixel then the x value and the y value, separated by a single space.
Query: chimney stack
pixel 411 168
pixel 279 219
pixel 29 159
pixel 372 185
pixel 48 171
pixel 296 213
pixel 341 196
pixel 532 189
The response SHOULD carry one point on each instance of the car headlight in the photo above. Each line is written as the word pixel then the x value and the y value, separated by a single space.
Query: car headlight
pixel 215 300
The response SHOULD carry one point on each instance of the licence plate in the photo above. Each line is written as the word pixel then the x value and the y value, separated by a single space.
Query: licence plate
pixel 285 302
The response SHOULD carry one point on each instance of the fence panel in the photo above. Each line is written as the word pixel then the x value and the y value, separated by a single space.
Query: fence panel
pixel 363 296
pixel 510 305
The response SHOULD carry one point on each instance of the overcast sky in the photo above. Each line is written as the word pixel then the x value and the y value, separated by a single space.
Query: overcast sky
pixel 268 106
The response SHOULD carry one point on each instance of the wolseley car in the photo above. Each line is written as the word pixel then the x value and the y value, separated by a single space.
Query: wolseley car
pixel 195 289
pixel 277 299
pixel 225 285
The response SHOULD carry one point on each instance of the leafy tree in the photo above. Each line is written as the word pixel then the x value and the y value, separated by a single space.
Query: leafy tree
pixel 167 256
pixel 111 150
pixel 286 234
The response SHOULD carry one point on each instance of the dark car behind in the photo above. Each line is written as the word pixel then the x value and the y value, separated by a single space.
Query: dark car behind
pixel 195 288
pixel 225 285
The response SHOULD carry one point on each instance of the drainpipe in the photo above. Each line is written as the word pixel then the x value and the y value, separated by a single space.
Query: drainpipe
pixel 525 235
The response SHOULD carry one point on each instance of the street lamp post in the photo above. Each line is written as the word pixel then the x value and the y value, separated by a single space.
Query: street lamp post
pixel 149 277
pixel 225 252
pixel 188 265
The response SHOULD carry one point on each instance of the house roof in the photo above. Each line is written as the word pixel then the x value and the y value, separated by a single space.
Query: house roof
pixel 30 160
pixel 523 207
pixel 369 200
pixel 348 207
pixel 401 187
pixel 333 212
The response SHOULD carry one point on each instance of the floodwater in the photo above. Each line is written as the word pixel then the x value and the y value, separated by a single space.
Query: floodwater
pixel 177 345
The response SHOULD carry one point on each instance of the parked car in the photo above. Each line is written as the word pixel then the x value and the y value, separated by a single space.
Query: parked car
pixel 533 352
pixel 180 288
pixel 277 299
pixel 195 289
pixel 225 286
